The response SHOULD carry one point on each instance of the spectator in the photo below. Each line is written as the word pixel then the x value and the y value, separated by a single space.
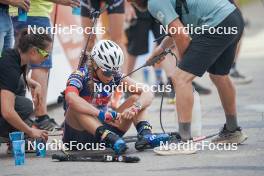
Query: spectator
pixel 39 15
pixel 15 109
pixel 6 27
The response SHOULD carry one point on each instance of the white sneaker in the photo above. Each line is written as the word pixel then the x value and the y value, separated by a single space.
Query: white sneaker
pixel 182 148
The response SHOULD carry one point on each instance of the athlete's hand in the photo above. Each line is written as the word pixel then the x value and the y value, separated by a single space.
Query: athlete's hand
pixel 36 133
pixel 24 4
pixel 129 113
pixel 108 116
pixel 72 3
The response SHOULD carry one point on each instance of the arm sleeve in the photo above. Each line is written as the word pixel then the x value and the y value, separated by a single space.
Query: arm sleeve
pixel 75 82
pixel 163 11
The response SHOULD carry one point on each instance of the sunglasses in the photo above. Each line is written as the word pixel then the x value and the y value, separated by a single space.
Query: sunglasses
pixel 108 73
pixel 42 52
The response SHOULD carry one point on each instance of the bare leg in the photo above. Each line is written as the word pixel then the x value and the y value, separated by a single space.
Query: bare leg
pixel 182 82
pixel 227 93
pixel 41 76
pixel 87 22
pixel 116 26
pixel 82 122
pixel 131 62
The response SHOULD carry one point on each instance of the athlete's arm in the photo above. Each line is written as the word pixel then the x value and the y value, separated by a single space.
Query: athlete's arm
pixel 145 98
pixel 78 104
pixel 11 116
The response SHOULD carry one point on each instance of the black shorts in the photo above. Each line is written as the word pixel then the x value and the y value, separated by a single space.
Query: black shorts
pixel 138 33
pixel 214 53
pixel 113 8
pixel 24 108
pixel 71 134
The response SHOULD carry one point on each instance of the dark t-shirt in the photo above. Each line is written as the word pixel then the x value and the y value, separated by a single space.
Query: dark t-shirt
pixel 3 6
pixel 10 70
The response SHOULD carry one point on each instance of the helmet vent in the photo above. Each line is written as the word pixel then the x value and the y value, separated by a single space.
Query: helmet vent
pixel 113 60
pixel 106 45
pixel 110 44
pixel 102 48
pixel 107 66
pixel 118 60
pixel 100 56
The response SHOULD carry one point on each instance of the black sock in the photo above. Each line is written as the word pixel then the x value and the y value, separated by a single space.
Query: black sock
pixel 104 135
pixel 185 131
pixel 143 128
pixel 231 122
pixel 41 118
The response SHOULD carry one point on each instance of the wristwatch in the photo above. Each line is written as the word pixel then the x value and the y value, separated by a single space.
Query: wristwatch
pixel 138 105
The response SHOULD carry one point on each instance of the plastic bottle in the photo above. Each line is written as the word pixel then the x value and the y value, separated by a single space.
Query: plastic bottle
pixel 76 10
pixel 196 126
pixel 22 14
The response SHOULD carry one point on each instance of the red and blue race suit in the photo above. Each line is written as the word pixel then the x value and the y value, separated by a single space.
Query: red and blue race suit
pixel 79 82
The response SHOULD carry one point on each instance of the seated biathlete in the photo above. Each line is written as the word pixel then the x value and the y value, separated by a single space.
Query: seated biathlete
pixel 88 117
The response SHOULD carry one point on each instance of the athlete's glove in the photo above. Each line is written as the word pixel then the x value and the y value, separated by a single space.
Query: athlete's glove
pixel 108 116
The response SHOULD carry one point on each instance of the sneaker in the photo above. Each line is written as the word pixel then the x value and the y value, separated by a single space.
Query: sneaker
pixel 200 89
pixel 176 148
pixel 238 78
pixel 4 139
pixel 115 142
pixel 225 136
pixel 151 141
pixel 48 124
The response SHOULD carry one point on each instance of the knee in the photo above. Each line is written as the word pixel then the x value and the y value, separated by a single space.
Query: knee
pixel 24 107
pixel 219 79
pixel 181 79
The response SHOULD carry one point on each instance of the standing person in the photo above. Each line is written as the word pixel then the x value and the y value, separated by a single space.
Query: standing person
pixel 235 74
pixel 213 52
pixel 6 27
pixel 39 15
pixel 137 33
pixel 15 109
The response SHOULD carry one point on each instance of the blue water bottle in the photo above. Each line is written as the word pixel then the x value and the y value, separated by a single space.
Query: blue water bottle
pixel 76 10
pixel 22 14
pixel 40 147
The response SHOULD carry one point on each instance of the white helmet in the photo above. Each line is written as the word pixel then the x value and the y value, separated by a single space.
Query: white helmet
pixel 108 55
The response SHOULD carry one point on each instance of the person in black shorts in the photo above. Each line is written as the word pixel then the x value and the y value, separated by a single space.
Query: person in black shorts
pixel 137 33
pixel 116 16
pixel 15 107
pixel 236 76
pixel 212 48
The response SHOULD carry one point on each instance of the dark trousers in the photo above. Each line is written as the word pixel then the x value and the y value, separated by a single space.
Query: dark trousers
pixel 24 108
